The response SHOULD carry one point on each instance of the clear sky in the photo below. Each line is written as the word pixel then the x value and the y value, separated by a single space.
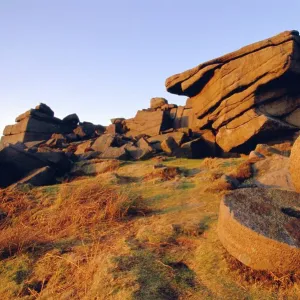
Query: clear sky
pixel 105 59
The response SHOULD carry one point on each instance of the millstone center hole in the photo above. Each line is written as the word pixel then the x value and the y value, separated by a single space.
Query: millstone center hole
pixel 291 212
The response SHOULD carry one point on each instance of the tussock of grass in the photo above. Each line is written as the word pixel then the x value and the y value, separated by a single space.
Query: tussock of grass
pixel 165 173
pixel 242 172
pixel 78 209
pixel 222 184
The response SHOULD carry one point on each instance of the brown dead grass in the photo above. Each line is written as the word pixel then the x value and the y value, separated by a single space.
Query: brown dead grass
pixel 246 275
pixel 78 210
pixel 219 186
pixel 243 171
pixel 165 173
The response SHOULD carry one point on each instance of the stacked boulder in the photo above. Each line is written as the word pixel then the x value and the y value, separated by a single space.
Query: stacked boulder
pixel 245 97
pixel 37 125
pixel 165 127
pixel 41 148
pixel 159 118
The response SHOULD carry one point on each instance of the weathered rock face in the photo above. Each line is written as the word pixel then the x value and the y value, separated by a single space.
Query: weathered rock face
pixel 36 125
pixel 246 96
pixel 87 130
pixel 273 171
pixel 40 177
pixel 148 122
pixel 260 227
pixel 16 163
pixel 158 102
pixel 94 167
pixel 294 165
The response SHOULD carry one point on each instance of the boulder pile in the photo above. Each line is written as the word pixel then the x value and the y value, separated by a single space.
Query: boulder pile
pixel 40 148
pixel 245 97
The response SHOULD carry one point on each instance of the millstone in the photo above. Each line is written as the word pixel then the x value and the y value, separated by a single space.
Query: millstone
pixel 261 228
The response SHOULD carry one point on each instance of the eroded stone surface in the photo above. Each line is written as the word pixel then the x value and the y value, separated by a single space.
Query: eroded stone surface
pixel 273 172
pixel 294 165
pixel 244 94
pixel 260 227
pixel 146 122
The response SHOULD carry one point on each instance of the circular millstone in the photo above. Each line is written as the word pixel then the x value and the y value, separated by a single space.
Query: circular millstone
pixel 261 228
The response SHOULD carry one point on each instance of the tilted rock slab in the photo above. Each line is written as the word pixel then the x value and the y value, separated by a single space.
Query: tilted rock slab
pixel 17 163
pixel 261 228
pixel 255 88
pixel 148 122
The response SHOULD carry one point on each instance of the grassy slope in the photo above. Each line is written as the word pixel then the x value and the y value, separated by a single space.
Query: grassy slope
pixel 168 251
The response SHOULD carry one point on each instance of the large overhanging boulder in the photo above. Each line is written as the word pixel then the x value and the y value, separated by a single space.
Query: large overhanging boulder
pixel 255 88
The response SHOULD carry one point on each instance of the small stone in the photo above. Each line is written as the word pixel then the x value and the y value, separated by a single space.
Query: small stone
pixel 117 120
pixel 81 148
pixel 103 142
pixel 115 153
pixel 256 155
pixel 169 145
pixel 157 102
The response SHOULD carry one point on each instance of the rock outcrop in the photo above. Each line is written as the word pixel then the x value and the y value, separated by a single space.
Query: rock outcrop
pixel 236 101
pixel 260 227
pixel 40 148
pixel 247 96
pixel 17 163
pixel 36 124
pixel 39 124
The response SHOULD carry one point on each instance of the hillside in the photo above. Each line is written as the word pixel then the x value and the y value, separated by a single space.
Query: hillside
pixel 200 201
pixel 133 232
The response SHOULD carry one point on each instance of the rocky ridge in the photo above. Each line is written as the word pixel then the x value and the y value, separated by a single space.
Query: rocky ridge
pixel 42 146
pixel 247 96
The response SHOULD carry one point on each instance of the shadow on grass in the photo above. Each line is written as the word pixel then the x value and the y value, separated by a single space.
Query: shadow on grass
pixel 151 201
pixel 190 172
pixel 157 278
pixel 193 229
pixel 185 185
pixel 247 275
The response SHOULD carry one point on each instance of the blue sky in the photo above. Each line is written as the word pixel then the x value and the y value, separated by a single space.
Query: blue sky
pixel 105 59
